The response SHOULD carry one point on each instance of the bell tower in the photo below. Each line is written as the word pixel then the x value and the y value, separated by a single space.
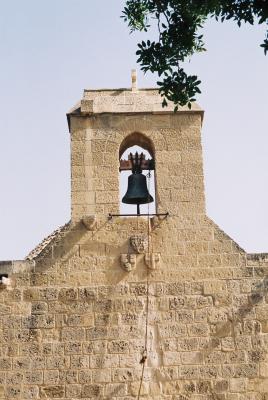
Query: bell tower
pixel 107 122
pixel 166 307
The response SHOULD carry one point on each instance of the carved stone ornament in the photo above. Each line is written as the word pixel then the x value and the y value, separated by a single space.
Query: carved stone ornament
pixel 152 260
pixel 90 222
pixel 139 242
pixel 128 262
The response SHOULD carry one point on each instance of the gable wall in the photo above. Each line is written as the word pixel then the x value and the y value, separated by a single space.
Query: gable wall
pixel 73 320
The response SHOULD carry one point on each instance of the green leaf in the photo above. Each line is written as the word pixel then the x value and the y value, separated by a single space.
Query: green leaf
pixel 164 103
pixel 180 37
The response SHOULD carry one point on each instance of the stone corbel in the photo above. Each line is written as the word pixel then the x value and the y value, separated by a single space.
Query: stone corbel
pixel 139 242
pixel 90 222
pixel 128 262
pixel 87 106
pixel 152 260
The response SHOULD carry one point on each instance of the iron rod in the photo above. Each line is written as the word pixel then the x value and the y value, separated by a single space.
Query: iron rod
pixel 110 216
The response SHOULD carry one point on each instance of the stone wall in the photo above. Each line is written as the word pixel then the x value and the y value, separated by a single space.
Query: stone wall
pixel 73 322
pixel 74 316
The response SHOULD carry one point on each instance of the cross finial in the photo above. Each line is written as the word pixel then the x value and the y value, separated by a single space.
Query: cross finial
pixel 133 80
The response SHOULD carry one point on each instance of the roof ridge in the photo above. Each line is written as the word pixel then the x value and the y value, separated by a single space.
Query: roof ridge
pixel 55 236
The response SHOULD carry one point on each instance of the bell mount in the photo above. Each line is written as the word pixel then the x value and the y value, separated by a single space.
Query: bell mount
pixel 137 160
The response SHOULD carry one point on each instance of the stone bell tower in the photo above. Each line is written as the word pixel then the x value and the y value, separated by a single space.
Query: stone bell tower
pixel 106 122
pixel 156 307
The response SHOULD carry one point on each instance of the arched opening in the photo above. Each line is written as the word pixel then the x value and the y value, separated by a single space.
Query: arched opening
pixel 137 139
pixel 137 146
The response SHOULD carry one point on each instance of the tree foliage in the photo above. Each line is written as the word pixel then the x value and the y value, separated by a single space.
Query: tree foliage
pixel 179 23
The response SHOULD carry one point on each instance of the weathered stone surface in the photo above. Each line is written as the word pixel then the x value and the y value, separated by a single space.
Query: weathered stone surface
pixel 73 321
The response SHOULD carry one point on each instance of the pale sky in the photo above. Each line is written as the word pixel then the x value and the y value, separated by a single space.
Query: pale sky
pixel 51 50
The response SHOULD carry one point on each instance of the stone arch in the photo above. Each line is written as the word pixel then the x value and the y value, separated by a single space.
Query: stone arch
pixel 139 139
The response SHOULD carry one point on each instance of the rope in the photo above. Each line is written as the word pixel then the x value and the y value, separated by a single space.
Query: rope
pixel 145 351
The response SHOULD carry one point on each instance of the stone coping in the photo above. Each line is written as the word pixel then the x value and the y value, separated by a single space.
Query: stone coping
pixel 257 256
pixel 148 100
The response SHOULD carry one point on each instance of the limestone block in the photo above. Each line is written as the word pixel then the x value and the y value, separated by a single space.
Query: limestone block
pixel 39 321
pixel 110 158
pixel 91 249
pixel 118 346
pixel 14 378
pixel 73 334
pixel 172 358
pixel 116 389
pixel 170 156
pixel 216 357
pixel 221 386
pixel 223 273
pixel 85 376
pixel 51 377
pixel 98 145
pixel 13 392
pixel 30 392
pixel 22 266
pixel 34 377
pixel 129 318
pixel 5 363
pixel 214 287
pixel 104 361
pixel 107 197
pixel 198 329
pixel 176 302
pixel 134 388
pixel 96 333
pixel 210 372
pixel 210 260
pixel 77 159
pixel 79 172
pixel 78 146
pixel 21 363
pixel 52 392
pixel 83 197
pixel 48 294
pixel 37 279
pixel 87 106
pixel 79 362
pixel 96 159
pixel 73 391
pixel 152 260
pixel 110 184
pixel 79 184
pixel 189 372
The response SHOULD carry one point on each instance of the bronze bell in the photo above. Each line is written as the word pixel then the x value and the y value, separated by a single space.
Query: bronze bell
pixel 137 191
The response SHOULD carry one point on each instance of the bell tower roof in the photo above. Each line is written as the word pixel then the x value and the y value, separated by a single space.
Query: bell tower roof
pixel 128 101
